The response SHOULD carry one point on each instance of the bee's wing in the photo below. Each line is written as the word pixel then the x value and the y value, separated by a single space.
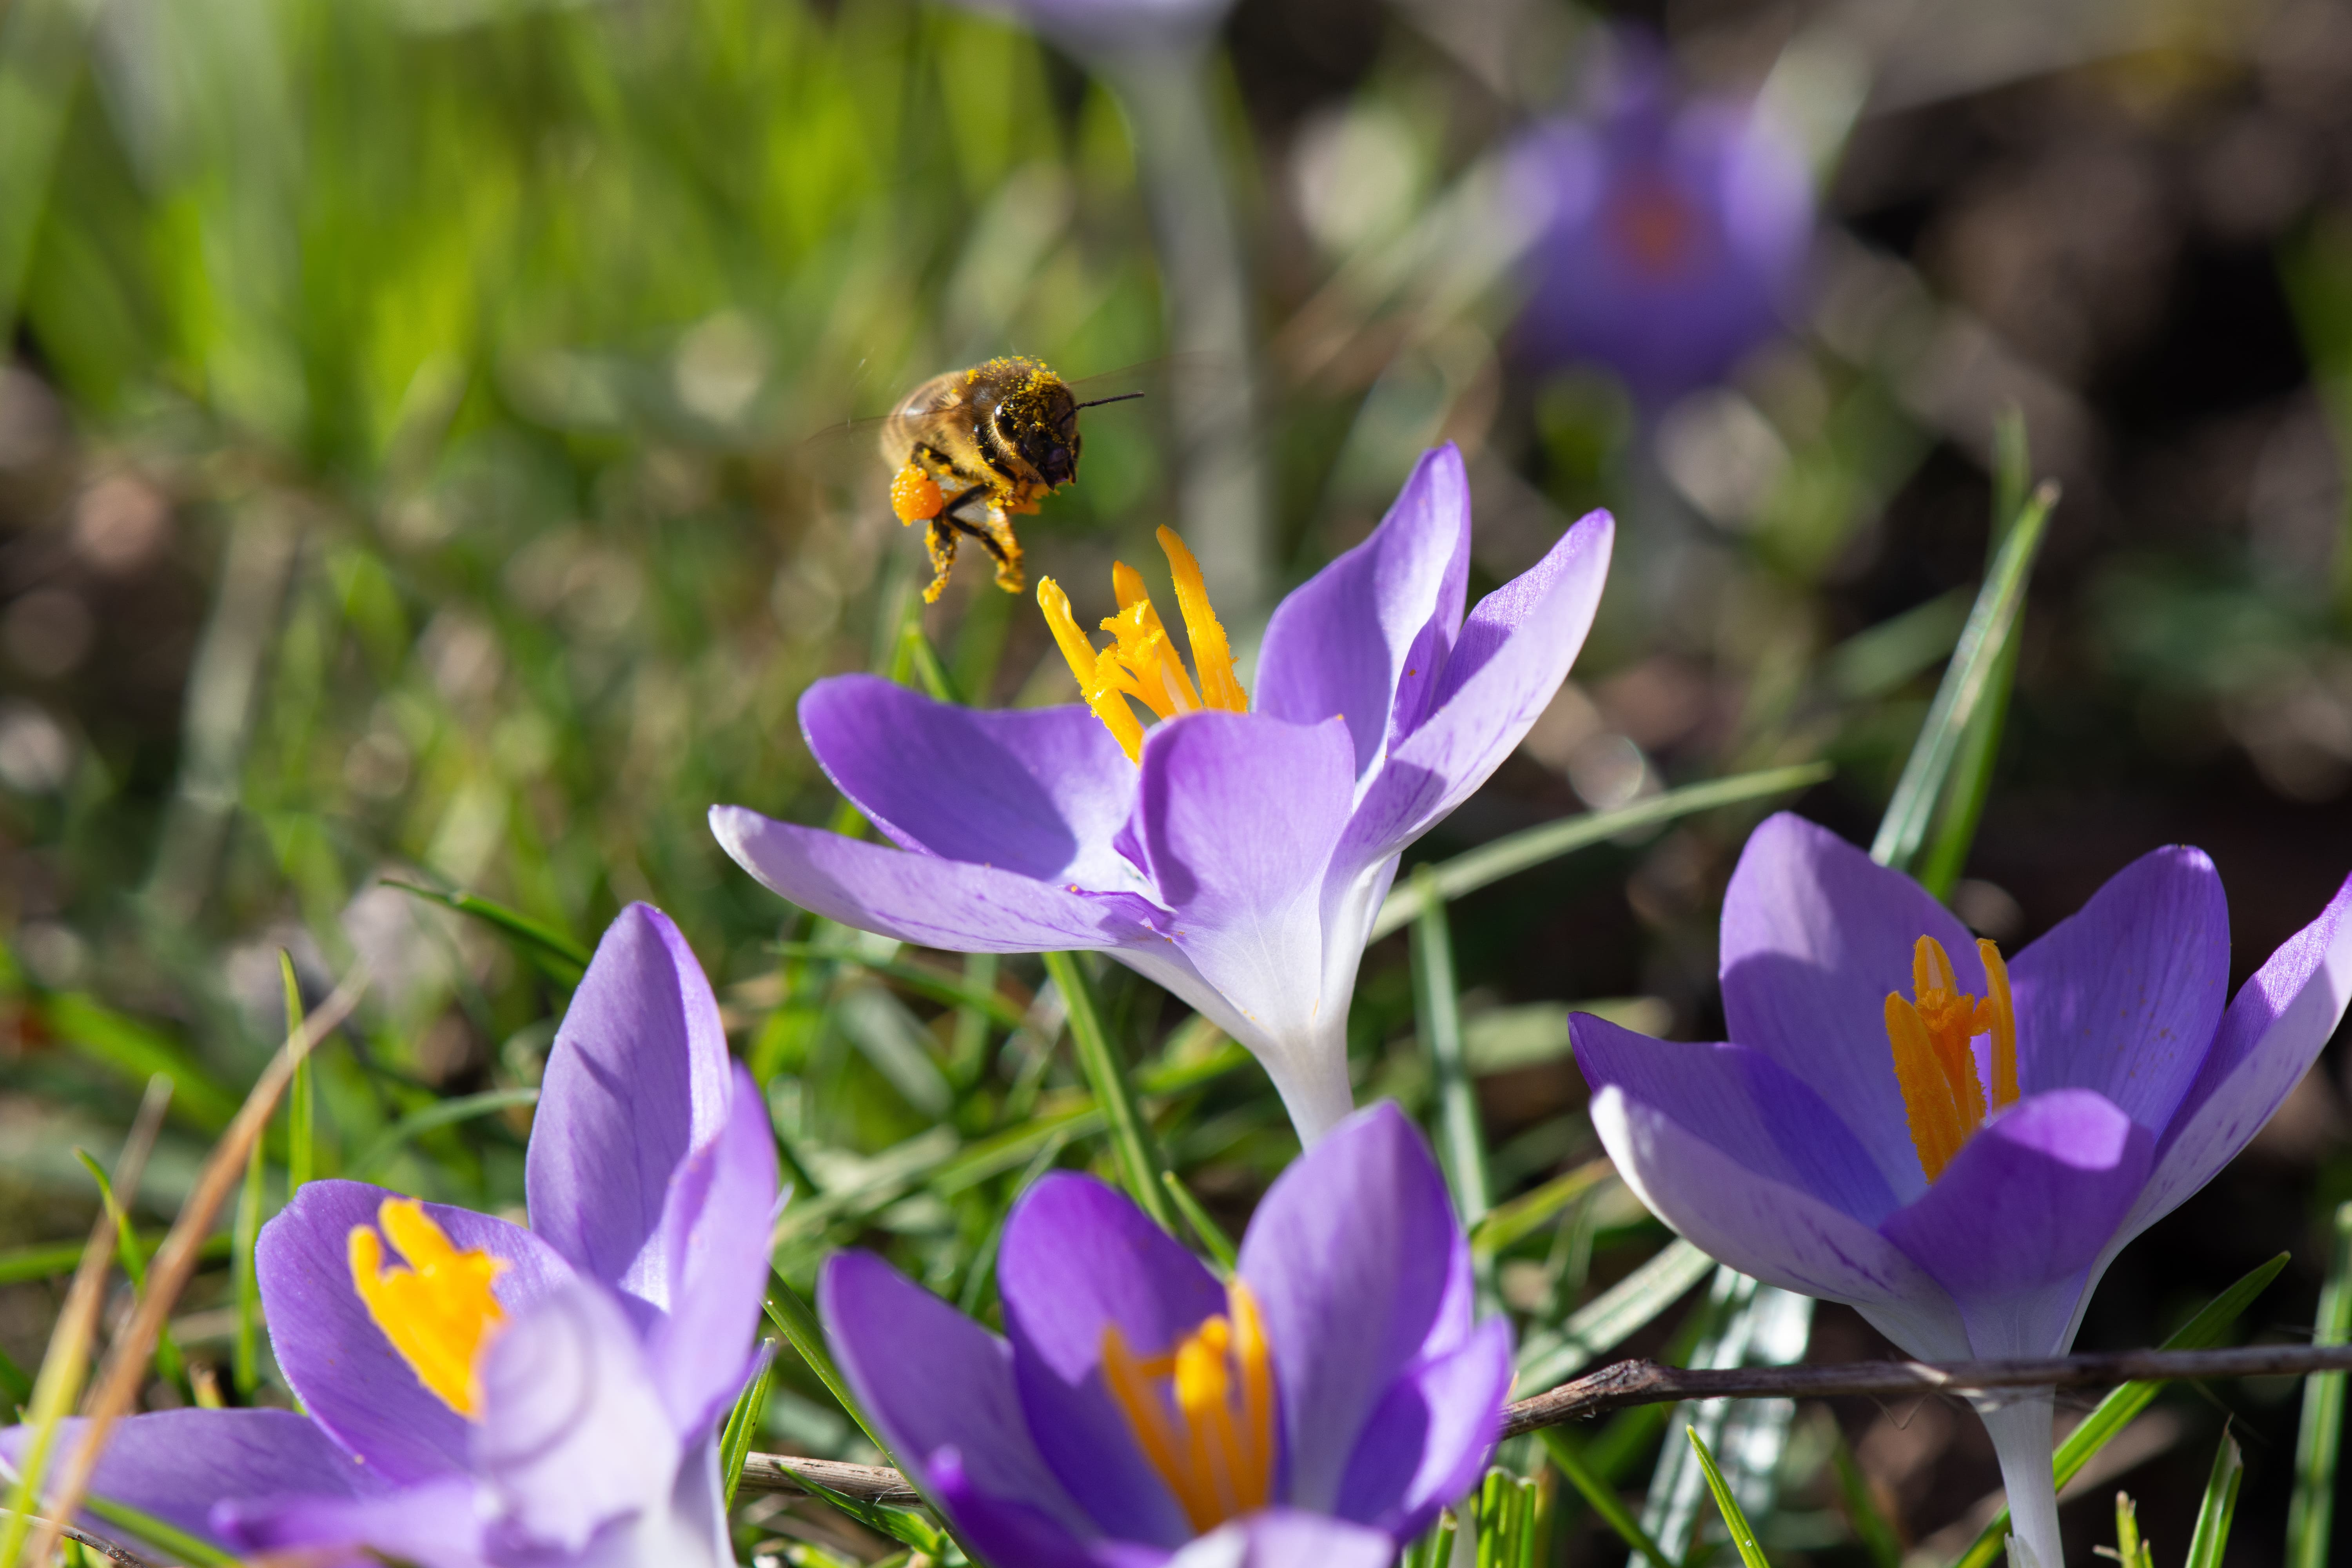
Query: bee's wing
pixel 852 454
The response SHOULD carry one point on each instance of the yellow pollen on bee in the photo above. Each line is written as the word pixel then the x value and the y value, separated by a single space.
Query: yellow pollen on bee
pixel 439 1311
pixel 1944 1097
pixel 1209 1435
pixel 1142 662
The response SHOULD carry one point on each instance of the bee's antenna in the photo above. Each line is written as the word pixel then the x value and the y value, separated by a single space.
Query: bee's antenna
pixel 1122 397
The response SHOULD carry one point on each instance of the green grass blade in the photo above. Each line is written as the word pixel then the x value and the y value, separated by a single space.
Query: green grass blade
pixel 983 1264
pixel 1524 1216
pixel 807 1336
pixel 131 1049
pixel 49 1260
pixel 562 957
pixel 440 1113
pixel 1205 1224
pixel 1131 1137
pixel 191 1550
pixel 1966 680
pixel 1461 1142
pixel 903 1525
pixel 923 978
pixel 15 1384
pixel 2220 1505
pixel 2131 1552
pixel 168 1364
pixel 2116 1411
pixel 1516 852
pixel 2311 1514
pixel 1971 782
pixel 1735 1519
pixel 923 664
pixel 246 1362
pixel 1613 1316
pixel 1600 1495
pixel 300 1101
pixel 743 1423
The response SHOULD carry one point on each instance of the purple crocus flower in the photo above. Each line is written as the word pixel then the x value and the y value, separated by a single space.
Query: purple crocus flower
pixel 1673 236
pixel 1321 1407
pixel 1239 860
pixel 543 1396
pixel 1954 1145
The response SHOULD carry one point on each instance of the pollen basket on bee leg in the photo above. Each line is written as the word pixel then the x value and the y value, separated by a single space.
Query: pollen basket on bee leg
pixel 915 496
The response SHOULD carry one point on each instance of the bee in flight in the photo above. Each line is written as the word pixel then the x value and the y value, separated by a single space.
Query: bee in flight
pixel 975 448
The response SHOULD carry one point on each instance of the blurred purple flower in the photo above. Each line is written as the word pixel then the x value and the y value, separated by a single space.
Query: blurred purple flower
pixel 1672 235
pixel 1320 1407
pixel 1241 864
pixel 543 1396
pixel 1961 1165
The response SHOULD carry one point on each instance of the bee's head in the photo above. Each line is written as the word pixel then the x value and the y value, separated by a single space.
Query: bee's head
pixel 1040 421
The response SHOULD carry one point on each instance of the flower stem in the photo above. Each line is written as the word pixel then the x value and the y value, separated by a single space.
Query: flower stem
pixel 1131 1138
pixel 2025 1441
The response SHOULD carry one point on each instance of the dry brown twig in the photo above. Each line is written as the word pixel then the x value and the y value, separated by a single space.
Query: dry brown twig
pixel 175 1261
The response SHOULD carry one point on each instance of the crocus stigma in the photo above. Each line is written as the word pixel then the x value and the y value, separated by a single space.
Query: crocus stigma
pixel 1236 850
pixel 484 1395
pixel 1954 1144
pixel 1319 1407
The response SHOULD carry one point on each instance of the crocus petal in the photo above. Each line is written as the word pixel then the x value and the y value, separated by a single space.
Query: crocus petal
pixel 932 1379
pixel 720 1208
pixel 1287 1538
pixel 921 899
pixel 1744 1103
pixel 1505 667
pixel 637 1078
pixel 1338 1256
pixel 2123 996
pixel 175 1464
pixel 437 1525
pixel 1076 1256
pixel 1773 1231
pixel 572 1432
pixel 2013 1225
pixel 1815 936
pixel 1366 638
pixel 2271 1034
pixel 1040 790
pixel 337 1360
pixel 1236 818
pixel 1425 1445
pixel 1003 1530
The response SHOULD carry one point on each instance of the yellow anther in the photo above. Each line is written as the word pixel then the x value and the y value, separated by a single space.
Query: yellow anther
pixel 1142 662
pixel 1215 1447
pixel 1930 1035
pixel 439 1311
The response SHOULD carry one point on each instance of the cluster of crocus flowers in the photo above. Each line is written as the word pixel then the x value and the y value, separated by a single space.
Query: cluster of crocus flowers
pixel 480 1394
pixel 1235 854
pixel 1319 1407
pixel 1674 235
pixel 1960 1163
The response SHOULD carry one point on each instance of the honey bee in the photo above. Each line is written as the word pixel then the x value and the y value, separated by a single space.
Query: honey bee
pixel 975 449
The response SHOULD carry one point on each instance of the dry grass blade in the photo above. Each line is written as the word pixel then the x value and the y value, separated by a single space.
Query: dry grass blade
pixel 867 1483
pixel 99 1544
pixel 117 1385
pixel 77 1330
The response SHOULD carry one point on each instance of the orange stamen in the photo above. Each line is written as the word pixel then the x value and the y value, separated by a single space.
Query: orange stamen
pixel 1209 1435
pixel 1142 663
pixel 1944 1097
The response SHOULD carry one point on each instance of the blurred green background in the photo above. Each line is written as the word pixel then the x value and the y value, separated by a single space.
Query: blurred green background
pixel 406 471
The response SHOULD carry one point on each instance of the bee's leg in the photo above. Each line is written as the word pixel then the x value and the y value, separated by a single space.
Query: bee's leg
pixel 945 526
pixel 995 530
pixel 1006 548
pixel 942 541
